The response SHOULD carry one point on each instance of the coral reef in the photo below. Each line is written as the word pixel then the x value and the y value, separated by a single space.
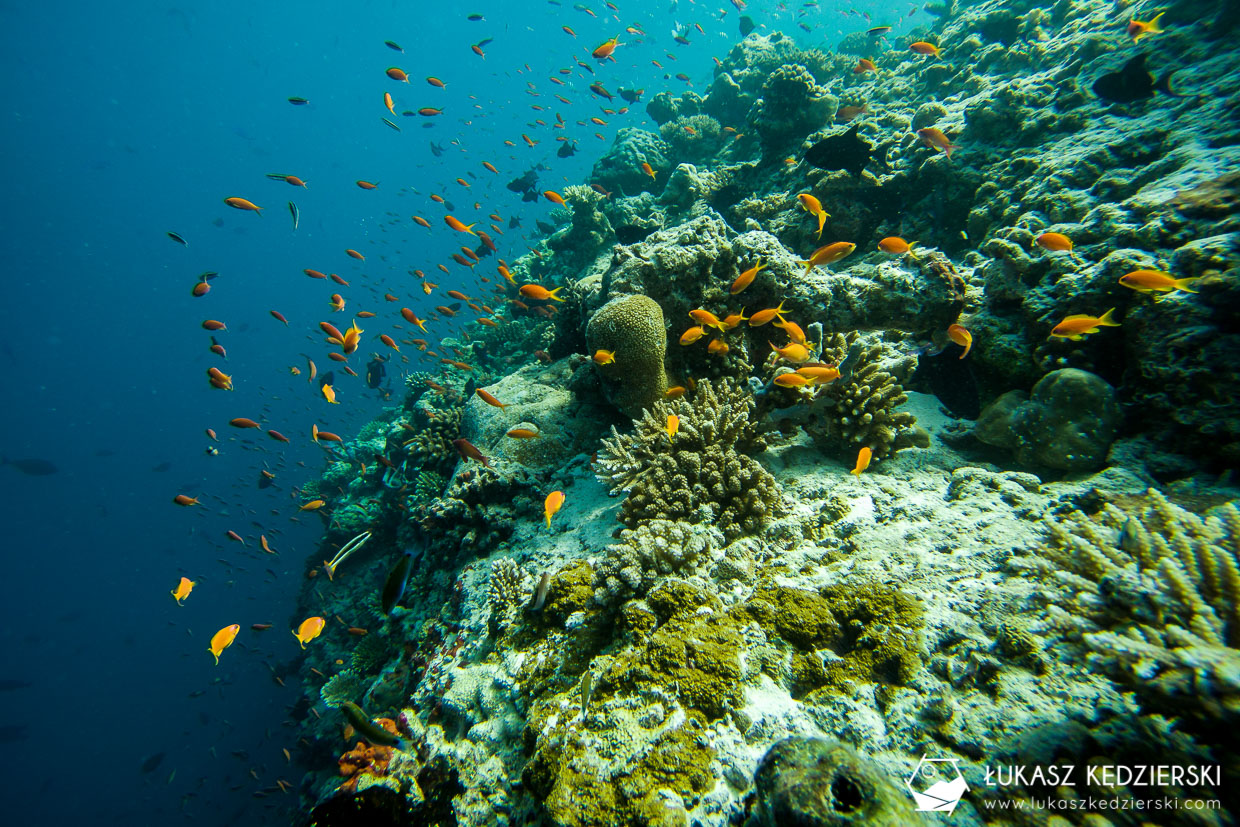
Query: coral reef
pixel 1153 590
pixel 631 327
pixel 1068 422
pixel 697 475
pixel 654 549
pixel 790 106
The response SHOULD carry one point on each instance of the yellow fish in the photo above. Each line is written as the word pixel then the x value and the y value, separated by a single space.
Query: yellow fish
pixel 183 589
pixel 329 394
pixel 792 352
pixel 604 357
pixel 309 629
pixel 814 207
pixel 673 425
pixel 222 640
pixel 554 500
pixel 692 335
pixel 1079 326
pixel 863 460
pixel 1138 29
pixel 829 254
pixel 1156 281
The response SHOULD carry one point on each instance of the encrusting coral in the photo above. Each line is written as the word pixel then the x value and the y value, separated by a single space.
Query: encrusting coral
pixel 1154 591
pixel 698 474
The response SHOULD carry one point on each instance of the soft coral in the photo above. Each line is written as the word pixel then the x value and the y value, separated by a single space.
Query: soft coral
pixel 366 758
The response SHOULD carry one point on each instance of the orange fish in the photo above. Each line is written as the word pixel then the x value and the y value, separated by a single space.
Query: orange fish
pixel 295 181
pixel 828 254
pixel 674 392
pixel 1079 326
pixel 313 505
pixel 763 316
pixel 522 433
pixel 863 460
pixel 455 223
pixel 355 254
pixel 243 422
pixel 314 274
pixel 412 318
pixel 552 504
pixel 183 589
pixel 1151 281
pixel 309 629
pixel 242 204
pixel 962 337
pixel 429 111
pixel 894 245
pixel 366 185
pixel 791 380
pixel 277 436
pixel 864 65
pixel 792 351
pixel 235 537
pixel 745 279
pixel 1138 29
pixel 733 320
pixel 535 291
pixel 554 197
pixel 389 103
pixel 200 289
pixel 329 393
pixel 212 324
pixel 397 74
pixel 389 341
pixel 935 139
pixel 434 81
pixel 604 357
pixel 921 47
pixel 467 451
pixel 814 207
pixel 488 398
pixel 706 319
pixel 649 170
pixel 692 335
pixel 605 50
pixel 794 331
pixel 819 374
pixel 262 541
pixel 219 379
pixel 717 347
pixel 222 639
pixel 278 316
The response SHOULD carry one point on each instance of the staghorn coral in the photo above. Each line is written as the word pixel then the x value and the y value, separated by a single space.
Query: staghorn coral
pixel 343 687
pixel 859 407
pixel 1153 590
pixel 697 475
pixel 654 549
pixel 632 328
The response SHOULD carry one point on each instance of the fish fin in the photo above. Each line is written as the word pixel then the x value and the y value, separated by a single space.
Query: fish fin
pixel 1105 320
pixel 1183 284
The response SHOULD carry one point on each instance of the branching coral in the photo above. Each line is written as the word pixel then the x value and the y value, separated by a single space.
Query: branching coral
pixel 509 587
pixel 698 474
pixel 859 407
pixel 1154 591
pixel 654 549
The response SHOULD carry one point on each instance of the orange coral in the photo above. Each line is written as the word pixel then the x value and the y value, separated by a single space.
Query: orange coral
pixel 366 758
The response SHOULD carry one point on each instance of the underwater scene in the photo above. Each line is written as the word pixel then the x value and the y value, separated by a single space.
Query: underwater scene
pixel 651 412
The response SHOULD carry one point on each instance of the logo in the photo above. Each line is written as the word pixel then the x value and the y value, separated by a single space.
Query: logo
pixel 936 787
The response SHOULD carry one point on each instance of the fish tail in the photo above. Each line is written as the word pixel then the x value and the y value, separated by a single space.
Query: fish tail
pixel 1106 320
pixel 1183 284
pixel 552 294
pixel 1163 84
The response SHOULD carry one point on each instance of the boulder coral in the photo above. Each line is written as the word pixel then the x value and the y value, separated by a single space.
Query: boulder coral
pixel 630 327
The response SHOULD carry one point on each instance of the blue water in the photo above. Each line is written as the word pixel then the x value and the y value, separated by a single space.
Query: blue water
pixel 124 123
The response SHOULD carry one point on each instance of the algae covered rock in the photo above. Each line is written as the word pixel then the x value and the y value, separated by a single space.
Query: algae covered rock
pixel 1067 423
pixel 817 782
pixel 632 328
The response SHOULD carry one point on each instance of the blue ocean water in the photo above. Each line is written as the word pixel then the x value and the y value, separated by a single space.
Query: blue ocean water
pixel 125 122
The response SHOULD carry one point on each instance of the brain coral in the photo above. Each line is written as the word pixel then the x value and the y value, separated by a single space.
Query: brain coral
pixel 632 328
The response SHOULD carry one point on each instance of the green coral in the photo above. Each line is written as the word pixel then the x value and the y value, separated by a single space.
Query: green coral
pixel 428 485
pixel 698 475
pixel 1153 591
pixel 868 633
pixel 370 655
pixel 430 448
pixel 632 328
pixel 344 687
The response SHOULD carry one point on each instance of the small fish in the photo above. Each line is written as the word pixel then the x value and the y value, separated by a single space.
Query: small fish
pixel 389 123
pixel 309 629
pixel 895 245
pixel 1079 326
pixel 394 585
pixel 819 374
pixel 1055 242
pixel 467 451
pixel 746 278
pixel 962 337
pixel 552 504
pixel 1138 29
pixel 706 319
pixel 554 197
pixel 673 425
pixel 764 316
pixel 184 500
pixel 828 254
pixel 177 238
pixel 488 398
pixel 313 505
pixel 1133 82
pixel 864 65
pixel 814 207
pixel 863 460
pixel 921 47
pixel 1151 281
pixel 396 73
pixel 878 31
pixel 605 50
pixel 692 335
pixel 298 101
pixel 792 380
pixel 293 211
pixel 604 357
pixel 183 589
pixel 393 46
pixel 935 139
pixel 523 433
pixel 717 347
pixel 792 351
pixel 646 168
pixel 368 729
pixel 222 639
pixel 242 204
pixel 535 291
pixel 455 223
pixel 329 393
